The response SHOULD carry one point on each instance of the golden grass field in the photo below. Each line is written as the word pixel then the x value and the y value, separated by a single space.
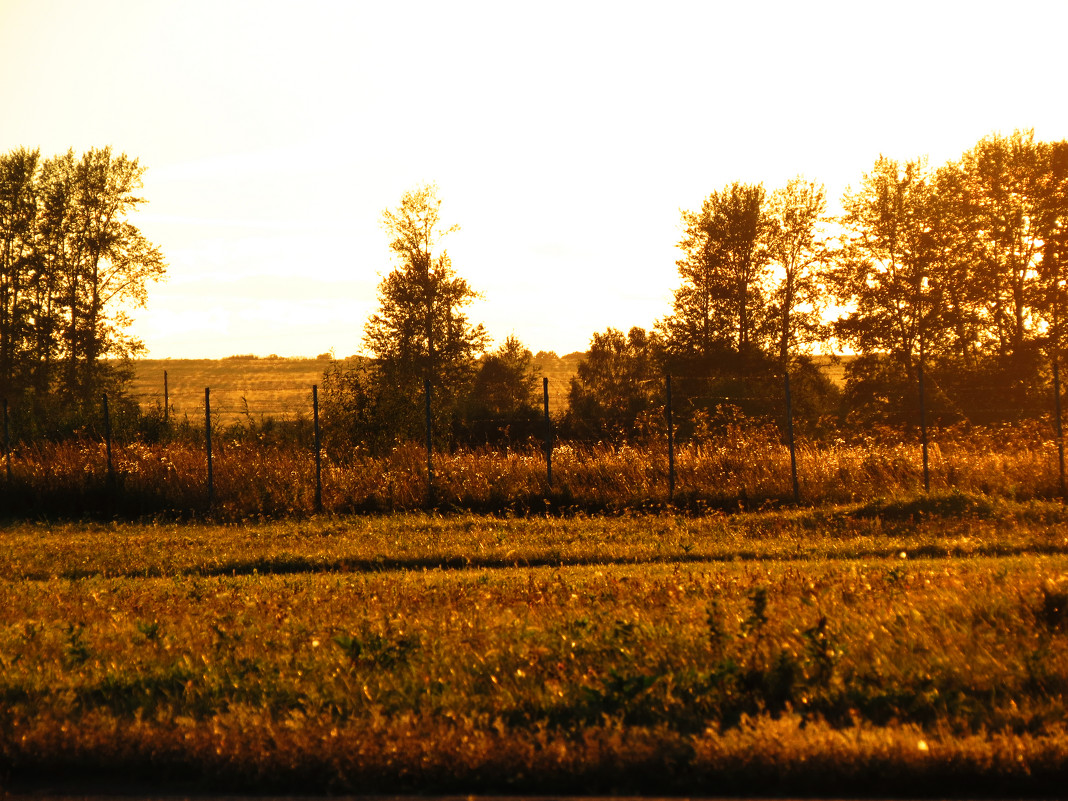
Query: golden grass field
pixel 909 647
pixel 592 636
pixel 255 475
pixel 272 387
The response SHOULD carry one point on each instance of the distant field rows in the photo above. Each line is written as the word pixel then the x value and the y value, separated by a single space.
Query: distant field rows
pixel 278 388
pixel 281 388
pixel 271 387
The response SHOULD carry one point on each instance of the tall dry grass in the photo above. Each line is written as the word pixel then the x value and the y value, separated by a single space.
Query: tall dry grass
pixel 743 469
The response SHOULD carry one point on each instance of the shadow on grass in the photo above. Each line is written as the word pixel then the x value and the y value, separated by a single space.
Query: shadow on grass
pixel 288 565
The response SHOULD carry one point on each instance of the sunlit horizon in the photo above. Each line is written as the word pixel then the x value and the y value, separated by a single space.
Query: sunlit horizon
pixel 564 140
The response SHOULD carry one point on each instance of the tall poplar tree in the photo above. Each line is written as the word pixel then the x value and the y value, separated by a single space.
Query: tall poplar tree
pixel 1004 177
pixel 795 246
pixel 71 268
pixel 722 300
pixel 19 265
pixel 113 263
pixel 1053 229
pixel 421 331
pixel 888 271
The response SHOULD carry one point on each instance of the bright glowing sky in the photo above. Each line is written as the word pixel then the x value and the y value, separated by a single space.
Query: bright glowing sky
pixel 564 137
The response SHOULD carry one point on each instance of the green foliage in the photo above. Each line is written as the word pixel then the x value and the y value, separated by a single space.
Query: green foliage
pixel 953 503
pixel 960 268
pixel 502 404
pixel 822 651
pixel 375 649
pixel 798 247
pixel 731 392
pixel 717 633
pixel 149 629
pixel 878 392
pixel 77 650
pixel 419 335
pixel 351 409
pixel 888 267
pixel 722 300
pixel 1052 611
pixel 754 623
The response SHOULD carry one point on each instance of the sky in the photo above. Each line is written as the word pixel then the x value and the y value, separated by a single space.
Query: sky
pixel 565 138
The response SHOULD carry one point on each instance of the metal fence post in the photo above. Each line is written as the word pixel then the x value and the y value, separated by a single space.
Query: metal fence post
pixel 923 430
pixel 207 440
pixel 7 443
pixel 429 449
pixel 1058 424
pixel 107 442
pixel 671 439
pixel 548 433
pixel 790 434
pixel 318 450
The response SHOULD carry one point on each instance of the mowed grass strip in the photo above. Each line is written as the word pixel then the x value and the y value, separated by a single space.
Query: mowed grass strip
pixel 950 524
pixel 847 650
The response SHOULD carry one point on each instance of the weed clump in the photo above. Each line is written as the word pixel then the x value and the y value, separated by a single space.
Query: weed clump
pixel 951 504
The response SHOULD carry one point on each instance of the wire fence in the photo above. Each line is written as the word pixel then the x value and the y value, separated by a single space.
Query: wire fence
pixel 262 389
pixel 689 448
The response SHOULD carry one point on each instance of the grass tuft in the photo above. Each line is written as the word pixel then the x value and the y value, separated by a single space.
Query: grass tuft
pixel 947 504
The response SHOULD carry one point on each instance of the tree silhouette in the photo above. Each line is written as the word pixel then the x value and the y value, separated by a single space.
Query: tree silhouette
pixel 503 401
pixel 618 382
pixel 888 270
pixel 421 332
pixel 722 300
pixel 796 247
pixel 1004 177
pixel 71 264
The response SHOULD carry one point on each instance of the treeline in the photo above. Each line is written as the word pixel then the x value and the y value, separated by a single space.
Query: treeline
pixel 956 273
pixel 948 278
pixel 953 277
pixel 71 264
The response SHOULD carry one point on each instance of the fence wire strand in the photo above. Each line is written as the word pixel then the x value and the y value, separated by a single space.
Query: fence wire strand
pixel 252 404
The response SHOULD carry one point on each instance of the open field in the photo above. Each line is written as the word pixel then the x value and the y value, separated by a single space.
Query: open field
pixel 272 387
pixel 281 388
pixel 917 646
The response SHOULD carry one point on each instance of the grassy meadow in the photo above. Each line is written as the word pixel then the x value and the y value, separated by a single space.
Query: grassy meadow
pixel 266 387
pixel 916 646
pixel 595 635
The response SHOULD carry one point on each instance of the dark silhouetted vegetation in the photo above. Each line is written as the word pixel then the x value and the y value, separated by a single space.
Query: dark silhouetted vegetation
pixel 71 266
